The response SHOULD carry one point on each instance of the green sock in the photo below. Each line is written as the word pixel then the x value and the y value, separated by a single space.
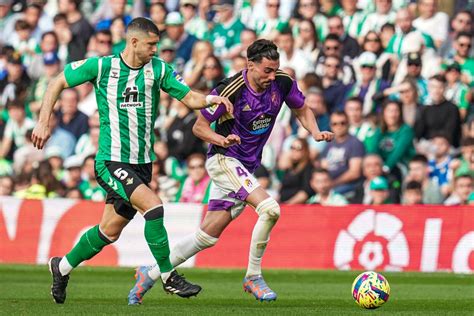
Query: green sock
pixel 157 238
pixel 90 244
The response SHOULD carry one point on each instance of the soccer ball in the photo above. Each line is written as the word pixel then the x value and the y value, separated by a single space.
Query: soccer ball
pixel 370 290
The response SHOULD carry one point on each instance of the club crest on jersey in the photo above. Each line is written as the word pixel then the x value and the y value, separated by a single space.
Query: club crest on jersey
pixel 130 97
pixel 77 64
pixel 148 74
pixel 260 125
pixel 274 97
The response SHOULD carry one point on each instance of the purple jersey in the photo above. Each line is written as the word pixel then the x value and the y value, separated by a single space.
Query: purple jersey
pixel 254 114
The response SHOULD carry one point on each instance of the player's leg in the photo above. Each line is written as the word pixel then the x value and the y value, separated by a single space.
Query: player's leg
pixel 90 244
pixel 129 181
pixel 268 212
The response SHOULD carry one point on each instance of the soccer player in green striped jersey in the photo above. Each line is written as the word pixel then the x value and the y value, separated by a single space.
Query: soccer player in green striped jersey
pixel 127 87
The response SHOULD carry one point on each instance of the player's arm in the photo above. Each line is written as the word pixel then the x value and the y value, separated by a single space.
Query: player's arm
pixel 73 75
pixel 41 132
pixel 307 119
pixel 196 101
pixel 202 129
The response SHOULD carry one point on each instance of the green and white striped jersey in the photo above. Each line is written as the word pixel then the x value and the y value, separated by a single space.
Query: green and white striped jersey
pixel 127 99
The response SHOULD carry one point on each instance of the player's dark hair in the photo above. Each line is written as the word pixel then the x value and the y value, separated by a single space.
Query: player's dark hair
pixel 144 25
pixel 262 48
pixel 413 185
pixel 420 158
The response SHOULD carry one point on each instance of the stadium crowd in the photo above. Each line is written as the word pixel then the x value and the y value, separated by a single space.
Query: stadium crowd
pixel 393 79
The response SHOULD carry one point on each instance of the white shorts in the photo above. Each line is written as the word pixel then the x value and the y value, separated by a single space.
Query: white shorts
pixel 231 184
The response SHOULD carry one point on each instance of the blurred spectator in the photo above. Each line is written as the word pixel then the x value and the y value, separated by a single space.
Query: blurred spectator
pixel 73 176
pixel 372 43
pixel 367 85
pixel 309 9
pixel 26 155
pixel 409 98
pixel 51 67
pixel 269 25
pixel 15 129
pixel 332 47
pixel 7 185
pixel 463 164
pixel 158 14
pixel 386 33
pixel 73 193
pixel 393 139
pixel 414 67
pixel 184 41
pixel 100 44
pixel 180 138
pixel 334 89
pixel 462 46
pixel 321 183
pixel 404 26
pixel 226 32
pixel 418 170
pixel 413 193
pixel 193 23
pixel 264 177
pixel 350 47
pixel 116 8
pixel 441 117
pixel 43 184
pixel 457 92
pixel 383 14
pixel 54 156
pixel 352 17
pixel 432 22
pixel 307 39
pixel 440 162
pixel 193 68
pixel 358 126
pixel 64 35
pixel 7 20
pixel 330 7
pixel 79 28
pixel 69 116
pixel 48 46
pixel 60 138
pixel 239 63
pixel 462 22
pixel 167 51
pixel 89 188
pixel 195 188
pixel 247 37
pixel 212 73
pixel 23 42
pixel 379 191
pixel 372 165
pixel 293 57
pixel 315 101
pixel 296 168
pixel 117 31
pixel 343 156
pixel 463 187
pixel 15 85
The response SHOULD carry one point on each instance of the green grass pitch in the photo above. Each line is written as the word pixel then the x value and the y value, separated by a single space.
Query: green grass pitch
pixel 24 290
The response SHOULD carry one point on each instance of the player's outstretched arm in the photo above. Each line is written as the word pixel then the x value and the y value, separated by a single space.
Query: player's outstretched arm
pixel 195 100
pixel 202 129
pixel 41 132
pixel 307 119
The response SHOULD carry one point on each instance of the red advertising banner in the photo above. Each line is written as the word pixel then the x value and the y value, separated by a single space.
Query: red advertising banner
pixel 389 237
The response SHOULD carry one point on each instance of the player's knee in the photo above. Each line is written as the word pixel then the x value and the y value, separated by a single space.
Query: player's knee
pixel 204 240
pixel 268 209
pixel 109 233
pixel 154 213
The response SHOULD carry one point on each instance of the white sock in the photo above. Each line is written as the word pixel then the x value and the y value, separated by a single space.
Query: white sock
pixel 185 249
pixel 166 275
pixel 64 266
pixel 268 211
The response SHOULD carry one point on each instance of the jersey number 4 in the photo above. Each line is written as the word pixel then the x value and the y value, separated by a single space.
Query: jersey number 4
pixel 241 172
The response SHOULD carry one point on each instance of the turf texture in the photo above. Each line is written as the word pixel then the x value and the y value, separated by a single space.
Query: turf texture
pixel 24 290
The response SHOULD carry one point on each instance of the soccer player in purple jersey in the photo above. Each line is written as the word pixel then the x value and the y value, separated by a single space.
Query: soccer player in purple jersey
pixel 235 152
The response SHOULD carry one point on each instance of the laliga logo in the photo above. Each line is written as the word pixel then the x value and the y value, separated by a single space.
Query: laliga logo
pixel 372 241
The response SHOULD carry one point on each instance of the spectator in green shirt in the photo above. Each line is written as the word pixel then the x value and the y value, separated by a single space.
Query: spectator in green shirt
pixel 393 140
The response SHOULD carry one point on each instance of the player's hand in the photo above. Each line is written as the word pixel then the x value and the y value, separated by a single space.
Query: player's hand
pixel 215 99
pixel 323 136
pixel 40 135
pixel 230 140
